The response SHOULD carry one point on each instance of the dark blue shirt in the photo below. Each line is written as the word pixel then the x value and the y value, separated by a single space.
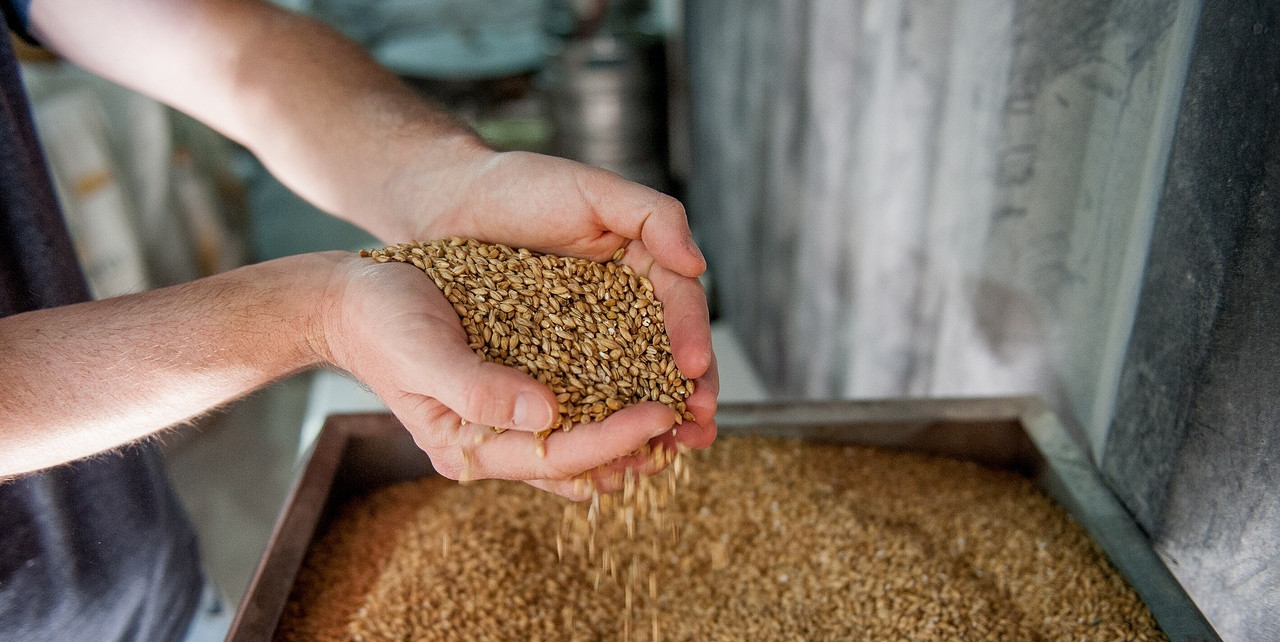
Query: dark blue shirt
pixel 99 549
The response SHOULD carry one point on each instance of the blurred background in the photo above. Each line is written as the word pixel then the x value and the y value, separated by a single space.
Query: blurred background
pixel 897 198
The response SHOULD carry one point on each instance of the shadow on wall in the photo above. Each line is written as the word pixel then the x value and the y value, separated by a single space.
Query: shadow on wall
pixel 1013 335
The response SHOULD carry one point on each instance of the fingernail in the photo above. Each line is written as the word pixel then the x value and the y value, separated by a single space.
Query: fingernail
pixel 531 412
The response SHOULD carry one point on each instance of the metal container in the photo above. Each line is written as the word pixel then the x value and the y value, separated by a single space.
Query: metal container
pixel 355 454
pixel 608 107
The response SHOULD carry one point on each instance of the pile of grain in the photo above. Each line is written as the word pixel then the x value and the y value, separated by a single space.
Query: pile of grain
pixel 593 332
pixel 778 539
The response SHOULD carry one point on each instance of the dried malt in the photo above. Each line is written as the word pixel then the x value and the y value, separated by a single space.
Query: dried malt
pixel 779 539
pixel 593 332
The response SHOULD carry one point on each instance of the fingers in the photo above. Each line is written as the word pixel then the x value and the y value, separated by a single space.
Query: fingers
pixel 688 326
pixel 701 432
pixel 694 435
pixel 687 319
pixel 592 457
pixel 661 452
pixel 638 212
pixel 611 477
pixel 565 455
pixel 475 452
pixel 685 312
pixel 561 206
pixel 489 394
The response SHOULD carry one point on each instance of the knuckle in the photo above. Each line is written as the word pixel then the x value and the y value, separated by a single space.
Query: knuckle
pixel 555 471
pixel 671 203
pixel 446 468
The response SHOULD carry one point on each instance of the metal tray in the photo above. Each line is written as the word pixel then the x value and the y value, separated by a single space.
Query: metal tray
pixel 357 453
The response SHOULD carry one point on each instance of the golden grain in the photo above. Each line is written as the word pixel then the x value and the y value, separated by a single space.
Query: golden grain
pixel 553 317
pixel 781 540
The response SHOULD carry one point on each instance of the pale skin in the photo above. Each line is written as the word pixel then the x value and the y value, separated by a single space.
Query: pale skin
pixel 352 139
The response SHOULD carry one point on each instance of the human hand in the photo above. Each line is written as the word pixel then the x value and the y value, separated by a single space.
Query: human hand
pixel 393 329
pixel 555 205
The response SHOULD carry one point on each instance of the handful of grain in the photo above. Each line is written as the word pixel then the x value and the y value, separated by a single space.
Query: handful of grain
pixel 593 332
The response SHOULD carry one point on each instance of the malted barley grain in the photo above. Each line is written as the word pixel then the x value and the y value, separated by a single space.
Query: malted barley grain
pixel 780 539
pixel 593 332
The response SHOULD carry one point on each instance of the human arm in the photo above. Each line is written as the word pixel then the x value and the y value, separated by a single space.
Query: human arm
pixel 322 115
pixel 354 140
pixel 87 378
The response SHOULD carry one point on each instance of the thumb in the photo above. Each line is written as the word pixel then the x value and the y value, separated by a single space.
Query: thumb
pixel 492 394
pixel 479 391
pixel 404 319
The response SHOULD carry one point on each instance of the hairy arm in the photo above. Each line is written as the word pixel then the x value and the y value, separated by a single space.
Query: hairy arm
pixel 85 378
pixel 350 137
pixel 324 117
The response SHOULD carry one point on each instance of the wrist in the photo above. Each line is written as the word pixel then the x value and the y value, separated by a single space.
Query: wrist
pixel 286 298
pixel 426 193
pixel 323 322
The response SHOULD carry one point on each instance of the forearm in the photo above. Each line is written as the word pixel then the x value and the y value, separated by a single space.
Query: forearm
pixel 85 378
pixel 323 116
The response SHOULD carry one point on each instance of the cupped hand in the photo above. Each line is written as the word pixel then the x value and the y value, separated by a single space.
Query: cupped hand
pixel 389 326
pixel 563 207
pixel 548 204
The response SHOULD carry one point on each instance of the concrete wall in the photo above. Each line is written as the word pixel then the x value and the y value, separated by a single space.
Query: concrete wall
pixel 958 197
pixel 964 188
pixel 1194 446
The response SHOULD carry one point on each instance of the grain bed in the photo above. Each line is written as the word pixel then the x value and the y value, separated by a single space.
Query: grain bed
pixel 357 453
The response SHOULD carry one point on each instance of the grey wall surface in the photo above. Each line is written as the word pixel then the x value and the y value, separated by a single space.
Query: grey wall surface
pixel 1195 446
pixel 969 197
pixel 934 197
